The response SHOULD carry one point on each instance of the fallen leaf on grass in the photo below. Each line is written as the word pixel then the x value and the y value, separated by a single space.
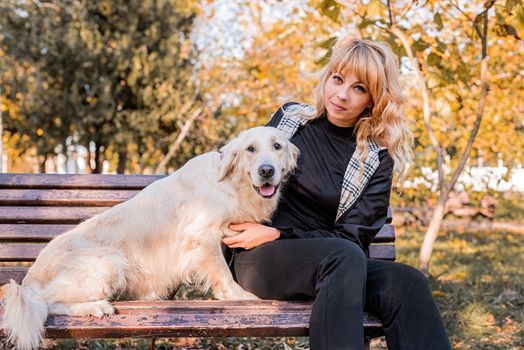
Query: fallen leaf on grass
pixel 507 295
pixel 439 294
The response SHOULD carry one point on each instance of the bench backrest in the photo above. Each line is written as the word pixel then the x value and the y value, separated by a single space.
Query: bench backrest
pixel 34 208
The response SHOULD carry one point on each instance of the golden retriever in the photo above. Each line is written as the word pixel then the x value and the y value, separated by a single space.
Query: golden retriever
pixel 168 234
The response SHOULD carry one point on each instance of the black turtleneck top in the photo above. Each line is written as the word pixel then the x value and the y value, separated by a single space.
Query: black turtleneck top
pixel 310 198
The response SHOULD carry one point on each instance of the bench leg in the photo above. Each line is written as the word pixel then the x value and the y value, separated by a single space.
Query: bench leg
pixel 367 344
pixel 152 344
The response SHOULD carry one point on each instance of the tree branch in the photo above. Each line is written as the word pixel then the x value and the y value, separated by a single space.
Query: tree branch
pixel 426 105
pixel 160 169
pixel 482 103
pixel 392 22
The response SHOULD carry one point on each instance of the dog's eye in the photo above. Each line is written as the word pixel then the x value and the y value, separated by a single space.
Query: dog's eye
pixel 250 149
pixel 277 146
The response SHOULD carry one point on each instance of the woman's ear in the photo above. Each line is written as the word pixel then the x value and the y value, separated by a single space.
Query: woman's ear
pixel 228 159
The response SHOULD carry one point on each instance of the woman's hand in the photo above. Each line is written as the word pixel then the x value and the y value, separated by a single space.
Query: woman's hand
pixel 250 235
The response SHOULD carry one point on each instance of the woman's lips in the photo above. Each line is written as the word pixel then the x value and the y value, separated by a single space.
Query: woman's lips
pixel 338 107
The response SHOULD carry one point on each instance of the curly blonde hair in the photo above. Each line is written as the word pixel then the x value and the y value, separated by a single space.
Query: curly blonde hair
pixel 376 66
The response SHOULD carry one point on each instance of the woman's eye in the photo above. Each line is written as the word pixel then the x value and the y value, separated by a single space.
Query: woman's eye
pixel 250 149
pixel 277 146
pixel 338 78
pixel 360 89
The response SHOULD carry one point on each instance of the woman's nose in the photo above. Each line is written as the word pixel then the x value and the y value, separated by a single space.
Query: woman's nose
pixel 342 94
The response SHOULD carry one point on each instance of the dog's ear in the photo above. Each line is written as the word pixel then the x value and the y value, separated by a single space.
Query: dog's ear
pixel 228 158
pixel 293 153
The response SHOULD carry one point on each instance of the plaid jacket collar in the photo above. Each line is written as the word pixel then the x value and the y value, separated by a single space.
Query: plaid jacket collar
pixel 355 180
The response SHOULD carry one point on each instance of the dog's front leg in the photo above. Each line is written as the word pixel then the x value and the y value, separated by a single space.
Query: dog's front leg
pixel 216 271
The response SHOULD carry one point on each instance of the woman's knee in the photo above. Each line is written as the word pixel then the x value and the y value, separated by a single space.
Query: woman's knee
pixel 344 256
pixel 410 276
pixel 405 280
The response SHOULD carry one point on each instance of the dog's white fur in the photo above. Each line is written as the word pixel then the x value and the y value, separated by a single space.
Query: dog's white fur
pixel 168 234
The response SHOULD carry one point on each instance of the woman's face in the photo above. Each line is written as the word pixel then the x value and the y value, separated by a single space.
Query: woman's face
pixel 345 98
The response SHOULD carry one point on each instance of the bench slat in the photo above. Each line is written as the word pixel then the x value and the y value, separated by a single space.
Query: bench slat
pixel 94 181
pixel 385 235
pixel 64 215
pixel 32 233
pixel 193 319
pixel 66 197
pixel 20 251
pixel 382 251
pixel 16 273
pixel 45 232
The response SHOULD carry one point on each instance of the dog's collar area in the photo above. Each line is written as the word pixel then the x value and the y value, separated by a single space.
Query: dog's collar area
pixel 266 190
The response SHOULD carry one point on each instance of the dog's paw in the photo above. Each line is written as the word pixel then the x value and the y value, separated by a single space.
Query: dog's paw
pixel 101 308
pixel 234 293
pixel 248 296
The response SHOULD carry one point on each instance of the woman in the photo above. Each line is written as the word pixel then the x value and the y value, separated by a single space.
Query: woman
pixel 351 142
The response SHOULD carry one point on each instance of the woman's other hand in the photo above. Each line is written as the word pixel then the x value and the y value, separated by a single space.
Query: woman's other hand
pixel 250 235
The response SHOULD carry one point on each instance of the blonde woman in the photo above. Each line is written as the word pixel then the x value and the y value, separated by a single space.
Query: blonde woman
pixel 351 142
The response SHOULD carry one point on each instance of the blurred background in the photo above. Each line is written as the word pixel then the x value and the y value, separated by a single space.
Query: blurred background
pixel 140 87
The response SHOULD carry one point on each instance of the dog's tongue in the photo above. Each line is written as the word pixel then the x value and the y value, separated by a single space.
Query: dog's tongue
pixel 267 190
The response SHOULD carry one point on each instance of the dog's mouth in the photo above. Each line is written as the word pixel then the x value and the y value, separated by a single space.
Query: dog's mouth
pixel 267 190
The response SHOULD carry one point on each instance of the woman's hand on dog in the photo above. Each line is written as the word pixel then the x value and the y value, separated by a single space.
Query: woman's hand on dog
pixel 250 235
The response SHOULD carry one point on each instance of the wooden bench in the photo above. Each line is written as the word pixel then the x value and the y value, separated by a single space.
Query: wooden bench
pixel 34 208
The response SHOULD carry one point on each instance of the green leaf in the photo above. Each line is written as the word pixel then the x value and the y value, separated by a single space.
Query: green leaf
pixel 330 9
pixel 510 4
pixel 441 47
pixel 364 23
pixel 323 60
pixel 397 49
pixel 328 43
pixel 375 9
pixel 434 59
pixel 437 18
pixel 463 72
pixel 419 45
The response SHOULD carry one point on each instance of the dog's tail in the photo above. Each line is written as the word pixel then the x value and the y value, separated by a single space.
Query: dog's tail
pixel 25 313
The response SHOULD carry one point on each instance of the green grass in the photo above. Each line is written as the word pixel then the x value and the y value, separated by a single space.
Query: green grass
pixel 477 280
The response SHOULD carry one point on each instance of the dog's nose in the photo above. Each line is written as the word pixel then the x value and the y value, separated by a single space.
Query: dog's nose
pixel 266 170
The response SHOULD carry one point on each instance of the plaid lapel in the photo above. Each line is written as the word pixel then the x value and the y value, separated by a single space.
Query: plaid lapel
pixel 354 180
pixel 290 124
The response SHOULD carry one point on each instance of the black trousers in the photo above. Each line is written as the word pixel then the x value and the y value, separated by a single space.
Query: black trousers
pixel 343 283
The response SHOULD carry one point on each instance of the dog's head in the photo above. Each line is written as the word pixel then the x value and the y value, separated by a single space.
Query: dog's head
pixel 263 154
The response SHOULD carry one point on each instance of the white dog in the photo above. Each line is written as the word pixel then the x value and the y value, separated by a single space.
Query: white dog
pixel 168 234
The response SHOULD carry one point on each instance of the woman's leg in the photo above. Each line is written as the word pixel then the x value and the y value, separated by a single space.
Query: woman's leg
pixel 330 270
pixel 400 296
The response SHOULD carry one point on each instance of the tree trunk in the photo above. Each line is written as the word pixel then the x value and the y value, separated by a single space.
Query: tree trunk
pixel 431 235
pixel 41 164
pixel 99 159
pixel 438 214
pixel 1 138
pixel 122 160
pixel 89 168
